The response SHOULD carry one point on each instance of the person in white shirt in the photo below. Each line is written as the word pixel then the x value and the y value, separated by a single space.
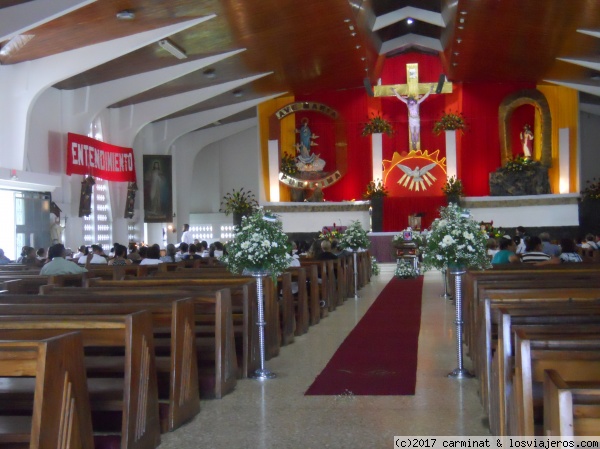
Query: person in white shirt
pixel 59 265
pixel 187 237
pixel 152 256
pixel 96 257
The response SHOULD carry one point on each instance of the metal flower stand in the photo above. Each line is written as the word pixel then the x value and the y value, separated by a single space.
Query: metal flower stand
pixel 460 372
pixel 446 295
pixel 262 373
pixel 355 255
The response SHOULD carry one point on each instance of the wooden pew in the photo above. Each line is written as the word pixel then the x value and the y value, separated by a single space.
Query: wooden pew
pixel 211 324
pixel 272 343
pixel 570 409
pixel 177 369
pixel 30 284
pixel 479 281
pixel 61 414
pixel 240 332
pixel 134 397
pixel 481 352
pixel 576 358
pixel 533 276
pixel 499 374
pixel 325 297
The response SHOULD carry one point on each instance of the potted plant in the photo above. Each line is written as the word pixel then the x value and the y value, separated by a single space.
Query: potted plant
pixel 238 203
pixel 259 245
pixel 289 168
pixel 377 124
pixel 450 121
pixel 455 240
pixel 453 189
pixel 375 193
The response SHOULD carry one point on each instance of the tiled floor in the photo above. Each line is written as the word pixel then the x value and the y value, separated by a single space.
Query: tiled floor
pixel 276 414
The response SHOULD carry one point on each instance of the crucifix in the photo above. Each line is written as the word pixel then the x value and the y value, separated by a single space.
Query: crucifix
pixel 413 94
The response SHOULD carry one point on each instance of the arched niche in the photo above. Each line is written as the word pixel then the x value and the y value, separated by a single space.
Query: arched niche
pixel 537 99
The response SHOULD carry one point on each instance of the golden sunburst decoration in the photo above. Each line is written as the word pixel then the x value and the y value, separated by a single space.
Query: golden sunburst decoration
pixel 415 177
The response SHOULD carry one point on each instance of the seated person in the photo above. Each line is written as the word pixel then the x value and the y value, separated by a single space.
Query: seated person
pixel 170 253
pixel 203 249
pixel 534 255
pixel 120 257
pixel 97 257
pixel 29 257
pixel 492 247
pixel 547 246
pixel 152 256
pixel 41 255
pixel 133 253
pixel 191 255
pixel 569 251
pixel 326 253
pixel 3 259
pixel 218 250
pixel 59 265
pixel 183 250
pixel 83 251
pixel 314 250
pixel 507 252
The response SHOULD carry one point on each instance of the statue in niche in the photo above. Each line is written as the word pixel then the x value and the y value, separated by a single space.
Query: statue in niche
pixel 306 160
pixel 526 137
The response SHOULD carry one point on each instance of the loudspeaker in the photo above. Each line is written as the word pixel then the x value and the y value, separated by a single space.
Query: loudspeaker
pixel 440 85
pixel 368 87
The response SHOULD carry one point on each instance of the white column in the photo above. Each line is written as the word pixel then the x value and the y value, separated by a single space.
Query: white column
pixel 377 150
pixel 273 171
pixel 451 162
pixel 563 160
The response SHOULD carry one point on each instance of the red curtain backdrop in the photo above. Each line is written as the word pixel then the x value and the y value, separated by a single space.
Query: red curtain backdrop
pixel 478 148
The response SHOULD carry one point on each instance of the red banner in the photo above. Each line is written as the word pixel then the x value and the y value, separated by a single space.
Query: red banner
pixel 87 156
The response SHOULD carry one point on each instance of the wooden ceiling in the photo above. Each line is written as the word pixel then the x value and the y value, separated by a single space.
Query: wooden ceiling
pixel 314 45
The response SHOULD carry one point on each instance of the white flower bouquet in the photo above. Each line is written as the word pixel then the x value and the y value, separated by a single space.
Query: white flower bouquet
pixel 405 270
pixel 259 244
pixel 455 239
pixel 354 237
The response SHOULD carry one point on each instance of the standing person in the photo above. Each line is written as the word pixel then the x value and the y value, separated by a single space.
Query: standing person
pixel 523 238
pixel 186 236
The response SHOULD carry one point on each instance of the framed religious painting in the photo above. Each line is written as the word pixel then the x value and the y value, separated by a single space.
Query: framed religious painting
pixel 158 189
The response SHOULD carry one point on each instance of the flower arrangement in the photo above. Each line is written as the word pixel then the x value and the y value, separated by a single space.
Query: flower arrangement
pixel 450 121
pixel 375 189
pixel 375 270
pixel 455 239
pixel 377 124
pixel 354 237
pixel 239 202
pixel 453 187
pixel 519 164
pixel 288 165
pixel 330 234
pixel 592 190
pixel 490 230
pixel 405 270
pixel 259 244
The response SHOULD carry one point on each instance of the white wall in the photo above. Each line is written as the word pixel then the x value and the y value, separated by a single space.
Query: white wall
pixel 231 163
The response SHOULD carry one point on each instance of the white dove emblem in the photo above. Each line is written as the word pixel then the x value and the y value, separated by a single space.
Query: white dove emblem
pixel 418 178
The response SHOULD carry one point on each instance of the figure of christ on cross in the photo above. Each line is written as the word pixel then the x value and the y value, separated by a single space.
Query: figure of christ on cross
pixel 414 121
pixel 413 94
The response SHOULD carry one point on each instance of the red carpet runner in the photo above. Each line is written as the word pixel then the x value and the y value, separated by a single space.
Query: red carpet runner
pixel 379 356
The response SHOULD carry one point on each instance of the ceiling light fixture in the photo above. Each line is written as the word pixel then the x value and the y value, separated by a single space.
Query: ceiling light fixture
pixel 353 34
pixel 462 20
pixel 351 27
pixel 238 93
pixel 15 44
pixel 169 46
pixel 209 73
pixel 459 40
pixel 126 14
pixel 409 21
